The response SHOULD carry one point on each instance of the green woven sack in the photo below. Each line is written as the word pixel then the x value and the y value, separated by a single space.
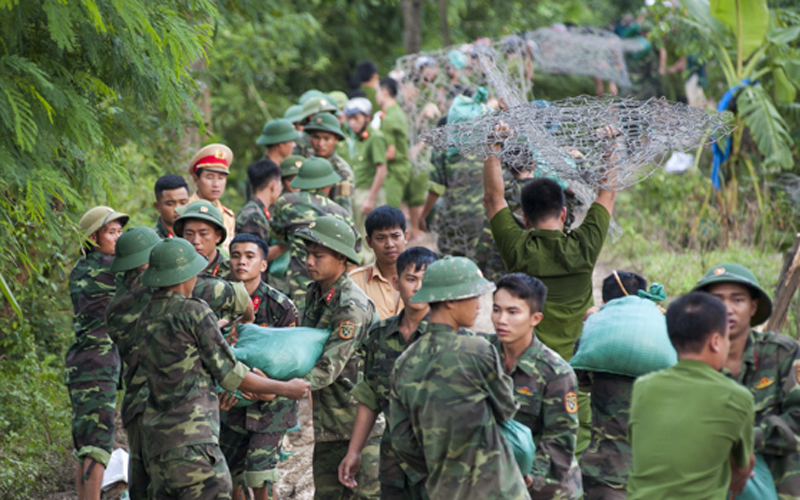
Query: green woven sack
pixel 520 438
pixel 761 486
pixel 627 337
pixel 279 266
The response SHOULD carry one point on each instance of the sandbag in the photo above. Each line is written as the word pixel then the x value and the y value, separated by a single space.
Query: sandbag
pixel 279 266
pixel 628 336
pixel 761 486
pixel 520 438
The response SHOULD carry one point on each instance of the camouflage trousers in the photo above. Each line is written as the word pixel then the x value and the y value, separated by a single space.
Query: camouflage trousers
pixel 138 477
pixel 252 456
pixel 395 484
pixel 327 457
pixel 197 472
pixel 595 490
pixel 93 407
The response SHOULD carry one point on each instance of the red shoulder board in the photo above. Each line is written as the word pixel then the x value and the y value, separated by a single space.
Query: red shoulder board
pixel 365 135
pixel 330 295
pixel 266 212
pixel 256 303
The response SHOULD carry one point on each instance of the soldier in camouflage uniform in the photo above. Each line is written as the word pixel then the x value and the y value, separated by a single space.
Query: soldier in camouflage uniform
pixel 768 364
pixel 289 168
pixel 449 393
pixel 385 342
pixel 295 211
pixel 201 224
pixel 180 425
pixel 544 385
pixel 313 104
pixel 172 192
pixel 265 181
pixel 325 134
pixel 251 436
pixel 334 303
pixel 279 136
pixel 92 362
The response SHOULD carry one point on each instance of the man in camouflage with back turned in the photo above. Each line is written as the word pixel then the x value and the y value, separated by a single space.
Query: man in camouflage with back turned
pixel 325 133
pixel 768 364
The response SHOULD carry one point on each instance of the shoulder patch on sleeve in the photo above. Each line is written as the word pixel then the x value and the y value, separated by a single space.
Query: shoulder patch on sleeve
pixel 571 402
pixel 347 329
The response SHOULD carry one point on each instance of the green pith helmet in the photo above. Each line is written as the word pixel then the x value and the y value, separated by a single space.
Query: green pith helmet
pixel 339 97
pixel 315 173
pixel 291 165
pixel 172 262
pixel 277 131
pixel 309 94
pixel 201 210
pixel 293 114
pixel 97 217
pixel 324 122
pixel 452 278
pixel 323 104
pixel 735 273
pixel 133 248
pixel 334 234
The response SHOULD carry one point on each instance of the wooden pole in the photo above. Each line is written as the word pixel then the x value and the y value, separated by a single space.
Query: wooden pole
pixel 788 281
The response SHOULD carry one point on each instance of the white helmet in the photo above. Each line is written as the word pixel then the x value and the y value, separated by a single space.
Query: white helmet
pixel 358 105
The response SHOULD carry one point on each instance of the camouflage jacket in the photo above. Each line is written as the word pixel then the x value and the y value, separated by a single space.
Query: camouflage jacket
pixel 547 391
pixel 347 312
pixel 608 458
pixel 182 353
pixel 383 346
pixel 342 191
pixel 771 370
pixel 220 266
pixel 448 394
pixel 276 310
pixel 302 145
pixel 254 219
pixel 93 356
pixel 162 230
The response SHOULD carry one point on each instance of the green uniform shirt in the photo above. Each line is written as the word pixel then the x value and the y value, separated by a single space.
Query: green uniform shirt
pixel 347 312
pixel 371 94
pixel 686 423
pixel 546 389
pixel 564 263
pixel 448 394
pixel 394 126
pixel 162 230
pixel 254 219
pixel 370 151
pixel 183 352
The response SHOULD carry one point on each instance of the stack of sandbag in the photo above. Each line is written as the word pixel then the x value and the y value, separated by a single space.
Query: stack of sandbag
pixel 628 336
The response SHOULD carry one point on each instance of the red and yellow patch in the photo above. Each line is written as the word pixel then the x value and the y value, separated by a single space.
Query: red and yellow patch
pixel 330 295
pixel 765 382
pixel 292 324
pixel 347 329
pixel 571 402
pixel 524 390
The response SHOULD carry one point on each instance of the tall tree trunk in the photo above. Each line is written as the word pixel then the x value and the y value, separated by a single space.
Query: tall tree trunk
pixel 445 26
pixel 412 31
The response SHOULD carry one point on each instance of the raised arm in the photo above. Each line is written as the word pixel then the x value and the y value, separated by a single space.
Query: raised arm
pixel 493 191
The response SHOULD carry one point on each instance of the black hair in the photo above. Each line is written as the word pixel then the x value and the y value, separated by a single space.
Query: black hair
pixel 418 257
pixel 168 183
pixel 542 199
pixel 364 72
pixel 249 238
pixel 384 217
pixel 356 93
pixel 389 84
pixel 692 318
pixel 632 283
pixel 262 172
pixel 524 287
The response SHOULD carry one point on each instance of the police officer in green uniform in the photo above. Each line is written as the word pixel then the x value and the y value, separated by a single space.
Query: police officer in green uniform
pixel 335 303
pixel 325 133
pixel 201 224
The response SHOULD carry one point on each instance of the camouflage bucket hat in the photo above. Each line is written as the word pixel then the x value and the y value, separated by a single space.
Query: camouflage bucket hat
pixel 133 248
pixel 325 122
pixel 97 217
pixel 315 173
pixel 323 104
pixel 291 165
pixel 309 94
pixel 172 262
pixel 334 234
pixel 293 114
pixel 735 273
pixel 200 210
pixel 452 278
pixel 277 131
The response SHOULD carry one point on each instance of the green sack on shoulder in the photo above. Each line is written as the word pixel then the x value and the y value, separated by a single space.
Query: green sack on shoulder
pixel 520 438
pixel 627 337
pixel 279 266
pixel 761 486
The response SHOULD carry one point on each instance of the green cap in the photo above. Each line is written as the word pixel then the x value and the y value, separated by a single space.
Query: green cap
pixel 452 278
pixel 339 97
pixel 325 122
pixel 334 234
pixel 172 262
pixel 201 210
pixel 735 273
pixel 315 173
pixel 277 131
pixel 323 104
pixel 294 113
pixel 133 248
pixel 97 217
pixel 309 94
pixel 291 165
